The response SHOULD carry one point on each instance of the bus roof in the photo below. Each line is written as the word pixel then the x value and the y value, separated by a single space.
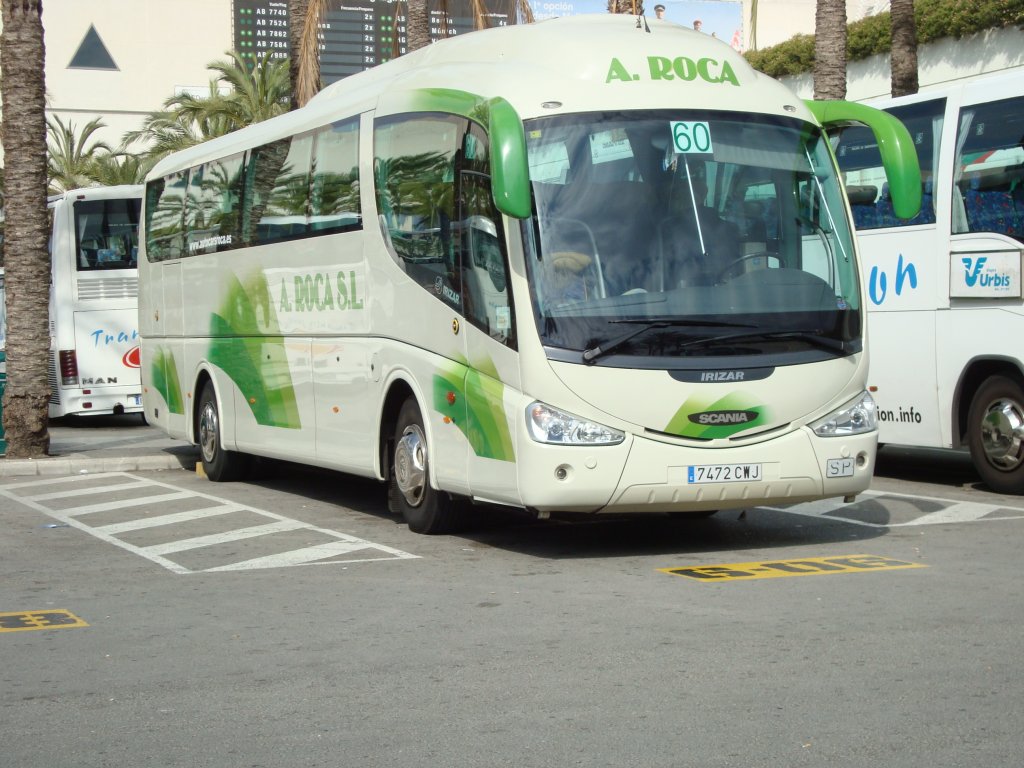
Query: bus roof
pixel 575 64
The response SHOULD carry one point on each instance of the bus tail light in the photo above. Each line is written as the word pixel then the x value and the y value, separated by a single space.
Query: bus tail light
pixel 68 368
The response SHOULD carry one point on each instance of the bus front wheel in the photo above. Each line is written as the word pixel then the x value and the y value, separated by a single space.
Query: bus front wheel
pixel 424 509
pixel 995 434
pixel 220 465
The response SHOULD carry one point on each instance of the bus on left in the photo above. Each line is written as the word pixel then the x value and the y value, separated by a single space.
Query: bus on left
pixel 94 288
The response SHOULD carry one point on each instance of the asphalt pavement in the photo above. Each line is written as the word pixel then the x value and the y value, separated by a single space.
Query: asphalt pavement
pixel 83 444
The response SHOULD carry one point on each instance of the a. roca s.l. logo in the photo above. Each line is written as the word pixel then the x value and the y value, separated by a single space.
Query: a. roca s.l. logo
pixel 716 418
pixel 131 358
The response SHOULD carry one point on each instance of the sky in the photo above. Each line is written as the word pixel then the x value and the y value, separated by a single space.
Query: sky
pixel 723 18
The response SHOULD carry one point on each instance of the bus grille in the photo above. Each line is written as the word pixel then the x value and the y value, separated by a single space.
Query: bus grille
pixel 51 375
pixel 108 288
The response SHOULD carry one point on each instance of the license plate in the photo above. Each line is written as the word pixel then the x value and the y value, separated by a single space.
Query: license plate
pixel 839 468
pixel 135 399
pixel 723 473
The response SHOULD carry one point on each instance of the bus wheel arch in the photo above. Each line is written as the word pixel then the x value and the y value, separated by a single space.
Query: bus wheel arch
pixel 974 375
pixel 995 433
pixel 219 465
pixel 408 461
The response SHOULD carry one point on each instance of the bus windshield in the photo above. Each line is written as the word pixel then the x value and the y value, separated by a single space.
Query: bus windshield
pixel 107 233
pixel 688 225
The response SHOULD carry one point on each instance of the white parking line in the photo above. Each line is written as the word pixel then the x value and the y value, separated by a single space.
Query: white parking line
pixel 953 511
pixel 328 553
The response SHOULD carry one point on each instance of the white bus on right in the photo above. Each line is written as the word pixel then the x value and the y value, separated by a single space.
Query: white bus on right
pixel 946 316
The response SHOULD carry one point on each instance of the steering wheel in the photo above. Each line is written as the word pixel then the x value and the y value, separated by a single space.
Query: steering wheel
pixel 722 273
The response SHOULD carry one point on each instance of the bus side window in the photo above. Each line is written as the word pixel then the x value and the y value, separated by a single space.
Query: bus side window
pixel 335 194
pixel 165 202
pixel 414 162
pixel 990 169
pixel 277 184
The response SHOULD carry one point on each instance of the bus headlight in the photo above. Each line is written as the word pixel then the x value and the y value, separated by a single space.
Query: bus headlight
pixel 855 418
pixel 549 425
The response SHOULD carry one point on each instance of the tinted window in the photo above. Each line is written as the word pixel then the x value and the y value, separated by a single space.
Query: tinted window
pixel 165 200
pixel 107 233
pixel 988 192
pixel 278 187
pixel 414 162
pixel 335 193
pixel 212 213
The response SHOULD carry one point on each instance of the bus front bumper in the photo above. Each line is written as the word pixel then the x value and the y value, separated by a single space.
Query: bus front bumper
pixel 644 475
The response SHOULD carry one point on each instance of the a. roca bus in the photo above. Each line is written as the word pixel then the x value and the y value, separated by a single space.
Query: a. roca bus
pixel 573 266
pixel 944 287
pixel 94 352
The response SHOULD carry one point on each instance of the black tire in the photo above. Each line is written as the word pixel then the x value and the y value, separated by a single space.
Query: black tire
pixel 220 465
pixel 995 434
pixel 424 509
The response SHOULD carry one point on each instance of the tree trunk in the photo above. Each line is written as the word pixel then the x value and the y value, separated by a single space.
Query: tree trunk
pixel 417 25
pixel 304 18
pixel 830 50
pixel 296 24
pixel 904 48
pixel 27 262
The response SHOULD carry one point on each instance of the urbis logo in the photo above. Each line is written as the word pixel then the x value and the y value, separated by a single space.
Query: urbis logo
pixel 132 358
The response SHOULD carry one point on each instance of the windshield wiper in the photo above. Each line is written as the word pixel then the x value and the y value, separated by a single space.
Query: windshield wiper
pixel 604 347
pixel 816 338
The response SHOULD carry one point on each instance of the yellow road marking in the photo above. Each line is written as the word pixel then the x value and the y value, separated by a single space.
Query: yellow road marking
pixel 804 566
pixel 22 621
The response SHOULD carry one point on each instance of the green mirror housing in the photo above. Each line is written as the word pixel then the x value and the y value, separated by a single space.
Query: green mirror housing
pixel 899 158
pixel 510 173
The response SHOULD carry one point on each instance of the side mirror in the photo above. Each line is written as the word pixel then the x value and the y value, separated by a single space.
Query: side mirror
pixel 899 158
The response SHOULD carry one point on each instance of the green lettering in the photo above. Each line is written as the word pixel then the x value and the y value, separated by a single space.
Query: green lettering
pixel 661 68
pixel 284 305
pixel 685 69
pixel 357 303
pixel 301 294
pixel 728 76
pixel 342 291
pixel 703 69
pixel 618 72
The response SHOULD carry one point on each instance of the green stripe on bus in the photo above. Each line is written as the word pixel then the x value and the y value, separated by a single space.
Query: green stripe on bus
pixel 474 402
pixel 164 374
pixel 250 349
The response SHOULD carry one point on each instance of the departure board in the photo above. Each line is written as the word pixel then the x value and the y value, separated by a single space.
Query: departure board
pixel 353 35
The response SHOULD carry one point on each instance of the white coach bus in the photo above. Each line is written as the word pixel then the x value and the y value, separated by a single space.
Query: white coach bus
pixel 94 354
pixel 944 287
pixel 574 266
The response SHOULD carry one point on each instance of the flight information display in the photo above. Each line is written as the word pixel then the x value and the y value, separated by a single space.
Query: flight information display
pixel 354 35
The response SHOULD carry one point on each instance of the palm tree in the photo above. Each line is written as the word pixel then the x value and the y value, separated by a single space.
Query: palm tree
pixel 256 93
pixel 830 50
pixel 417 25
pixel 27 395
pixel 70 158
pixel 904 47
pixel 304 49
pixel 110 169
pixel 635 7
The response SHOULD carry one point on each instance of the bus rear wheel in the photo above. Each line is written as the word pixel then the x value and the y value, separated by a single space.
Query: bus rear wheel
pixel 424 509
pixel 220 465
pixel 995 434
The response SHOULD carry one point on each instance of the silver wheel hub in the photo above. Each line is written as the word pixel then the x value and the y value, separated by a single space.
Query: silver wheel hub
pixel 1002 434
pixel 411 464
pixel 209 431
